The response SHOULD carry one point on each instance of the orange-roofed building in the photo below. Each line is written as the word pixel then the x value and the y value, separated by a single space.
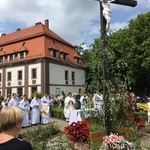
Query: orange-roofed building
pixel 37 59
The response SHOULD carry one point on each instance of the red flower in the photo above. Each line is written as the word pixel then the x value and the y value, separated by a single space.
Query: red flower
pixel 77 131
pixel 139 121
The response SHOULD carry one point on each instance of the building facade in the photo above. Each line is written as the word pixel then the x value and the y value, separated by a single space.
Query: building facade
pixel 37 59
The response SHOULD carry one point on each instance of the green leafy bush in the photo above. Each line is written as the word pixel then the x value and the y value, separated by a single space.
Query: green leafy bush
pixel 96 128
pixel 38 136
pixel 141 113
pixel 39 94
pixel 58 113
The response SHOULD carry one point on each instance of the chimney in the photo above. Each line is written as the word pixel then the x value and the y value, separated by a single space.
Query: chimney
pixel 3 34
pixel 47 23
pixel 18 29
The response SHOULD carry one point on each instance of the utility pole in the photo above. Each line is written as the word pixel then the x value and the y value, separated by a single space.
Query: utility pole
pixel 104 40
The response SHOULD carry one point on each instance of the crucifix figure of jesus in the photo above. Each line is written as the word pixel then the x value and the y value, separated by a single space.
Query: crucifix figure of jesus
pixel 106 14
pixel 106 10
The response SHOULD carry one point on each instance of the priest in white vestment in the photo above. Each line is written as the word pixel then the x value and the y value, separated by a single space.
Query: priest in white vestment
pixel 69 105
pixel 25 107
pixel 35 112
pixel 45 115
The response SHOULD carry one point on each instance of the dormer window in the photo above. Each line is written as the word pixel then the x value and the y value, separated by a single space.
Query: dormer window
pixel 54 53
pixel 77 59
pixel 11 57
pixel 1 59
pixel 64 56
pixel 21 55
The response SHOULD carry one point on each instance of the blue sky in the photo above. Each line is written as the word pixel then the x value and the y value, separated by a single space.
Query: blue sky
pixel 77 21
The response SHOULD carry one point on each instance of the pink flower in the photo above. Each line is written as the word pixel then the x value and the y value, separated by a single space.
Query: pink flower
pixel 114 141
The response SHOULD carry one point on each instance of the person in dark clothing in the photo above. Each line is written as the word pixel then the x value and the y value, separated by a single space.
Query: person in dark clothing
pixel 78 100
pixel 10 121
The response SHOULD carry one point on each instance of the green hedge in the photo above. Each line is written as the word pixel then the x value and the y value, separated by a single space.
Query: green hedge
pixel 58 113
pixel 141 113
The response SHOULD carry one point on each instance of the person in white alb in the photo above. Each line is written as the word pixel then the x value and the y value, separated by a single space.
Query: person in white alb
pixel 45 115
pixel 14 101
pixel 25 107
pixel 5 102
pixel 35 112
pixel 98 100
pixel 69 105
pixel 148 108
pixel 84 101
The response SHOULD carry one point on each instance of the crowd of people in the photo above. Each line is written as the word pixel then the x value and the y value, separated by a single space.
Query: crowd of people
pixel 39 108
pixel 83 102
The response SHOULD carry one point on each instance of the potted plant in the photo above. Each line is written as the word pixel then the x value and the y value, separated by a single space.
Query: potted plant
pixel 97 133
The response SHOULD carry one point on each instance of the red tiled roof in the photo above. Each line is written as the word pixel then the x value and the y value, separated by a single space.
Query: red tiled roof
pixel 37 40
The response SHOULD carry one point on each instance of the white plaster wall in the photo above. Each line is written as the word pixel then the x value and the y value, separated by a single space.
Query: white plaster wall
pixel 38 68
pixel 66 89
pixel 14 75
pixel 57 79
pixel 57 75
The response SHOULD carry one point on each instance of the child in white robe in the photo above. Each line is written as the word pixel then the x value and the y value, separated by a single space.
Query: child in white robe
pixel 35 112
pixel 25 107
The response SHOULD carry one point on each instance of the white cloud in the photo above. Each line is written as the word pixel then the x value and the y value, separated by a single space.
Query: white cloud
pixel 76 21
pixel 118 25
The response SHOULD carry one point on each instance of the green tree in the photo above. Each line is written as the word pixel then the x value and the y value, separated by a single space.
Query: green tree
pixel 129 57
pixel 131 48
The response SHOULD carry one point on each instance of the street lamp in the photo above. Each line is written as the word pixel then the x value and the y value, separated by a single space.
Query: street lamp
pixel 104 39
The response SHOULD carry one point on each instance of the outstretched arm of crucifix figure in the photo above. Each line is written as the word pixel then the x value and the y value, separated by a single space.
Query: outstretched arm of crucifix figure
pixel 106 14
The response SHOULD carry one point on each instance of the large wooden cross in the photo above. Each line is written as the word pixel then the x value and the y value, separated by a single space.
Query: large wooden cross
pixel 131 3
pixel 104 39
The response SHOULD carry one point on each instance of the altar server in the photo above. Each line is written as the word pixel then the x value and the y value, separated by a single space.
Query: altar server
pixel 84 101
pixel 97 100
pixel 14 100
pixel 45 115
pixel 35 113
pixel 25 107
